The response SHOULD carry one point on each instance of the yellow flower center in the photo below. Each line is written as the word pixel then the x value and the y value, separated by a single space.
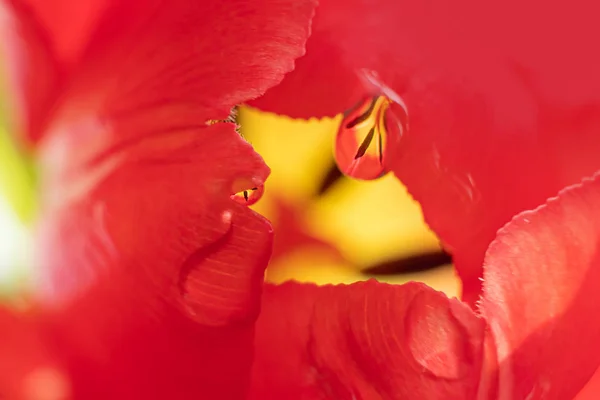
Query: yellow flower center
pixel 367 223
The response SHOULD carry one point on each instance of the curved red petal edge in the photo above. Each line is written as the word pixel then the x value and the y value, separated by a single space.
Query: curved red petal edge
pixel 498 122
pixel 365 341
pixel 591 391
pixel 292 234
pixel 321 84
pixel 456 156
pixel 540 296
pixel 156 57
pixel 371 340
pixel 163 189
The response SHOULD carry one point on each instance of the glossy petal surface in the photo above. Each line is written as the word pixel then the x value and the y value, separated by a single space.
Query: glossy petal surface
pixel 365 341
pixel 499 119
pixel 542 279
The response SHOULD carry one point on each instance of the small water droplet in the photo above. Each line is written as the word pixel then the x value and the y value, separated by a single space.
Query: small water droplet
pixel 362 141
pixel 249 197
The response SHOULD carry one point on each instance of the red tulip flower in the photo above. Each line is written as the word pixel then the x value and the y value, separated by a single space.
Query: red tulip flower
pixel 149 275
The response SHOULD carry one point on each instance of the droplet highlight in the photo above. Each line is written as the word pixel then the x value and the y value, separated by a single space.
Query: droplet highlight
pixel 249 197
pixel 375 86
pixel 363 138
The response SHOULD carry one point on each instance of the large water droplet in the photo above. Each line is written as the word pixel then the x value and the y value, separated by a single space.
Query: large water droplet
pixel 362 140
pixel 249 197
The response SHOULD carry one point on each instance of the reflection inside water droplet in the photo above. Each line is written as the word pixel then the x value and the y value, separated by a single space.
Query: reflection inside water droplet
pixel 249 197
pixel 363 138
pixel 374 86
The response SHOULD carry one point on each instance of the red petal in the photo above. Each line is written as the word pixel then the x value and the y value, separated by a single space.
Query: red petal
pixel 26 365
pixel 152 280
pixel 498 123
pixel 365 341
pixel 149 273
pixel 163 57
pixel 67 25
pixel 542 282
pixel 134 335
pixel 34 75
pixel 321 84
pixel 291 234
pixel 499 120
pixel 471 172
pixel 591 391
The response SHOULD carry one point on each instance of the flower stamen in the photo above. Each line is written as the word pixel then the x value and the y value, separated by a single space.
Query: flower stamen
pixel 362 139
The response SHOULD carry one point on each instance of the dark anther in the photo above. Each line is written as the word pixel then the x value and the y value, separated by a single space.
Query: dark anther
pixel 333 175
pixel 415 263
pixel 246 195
pixel 365 144
pixel 380 148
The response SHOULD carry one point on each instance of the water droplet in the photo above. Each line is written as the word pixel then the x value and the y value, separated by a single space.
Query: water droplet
pixel 373 84
pixel 249 197
pixel 397 114
pixel 363 137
